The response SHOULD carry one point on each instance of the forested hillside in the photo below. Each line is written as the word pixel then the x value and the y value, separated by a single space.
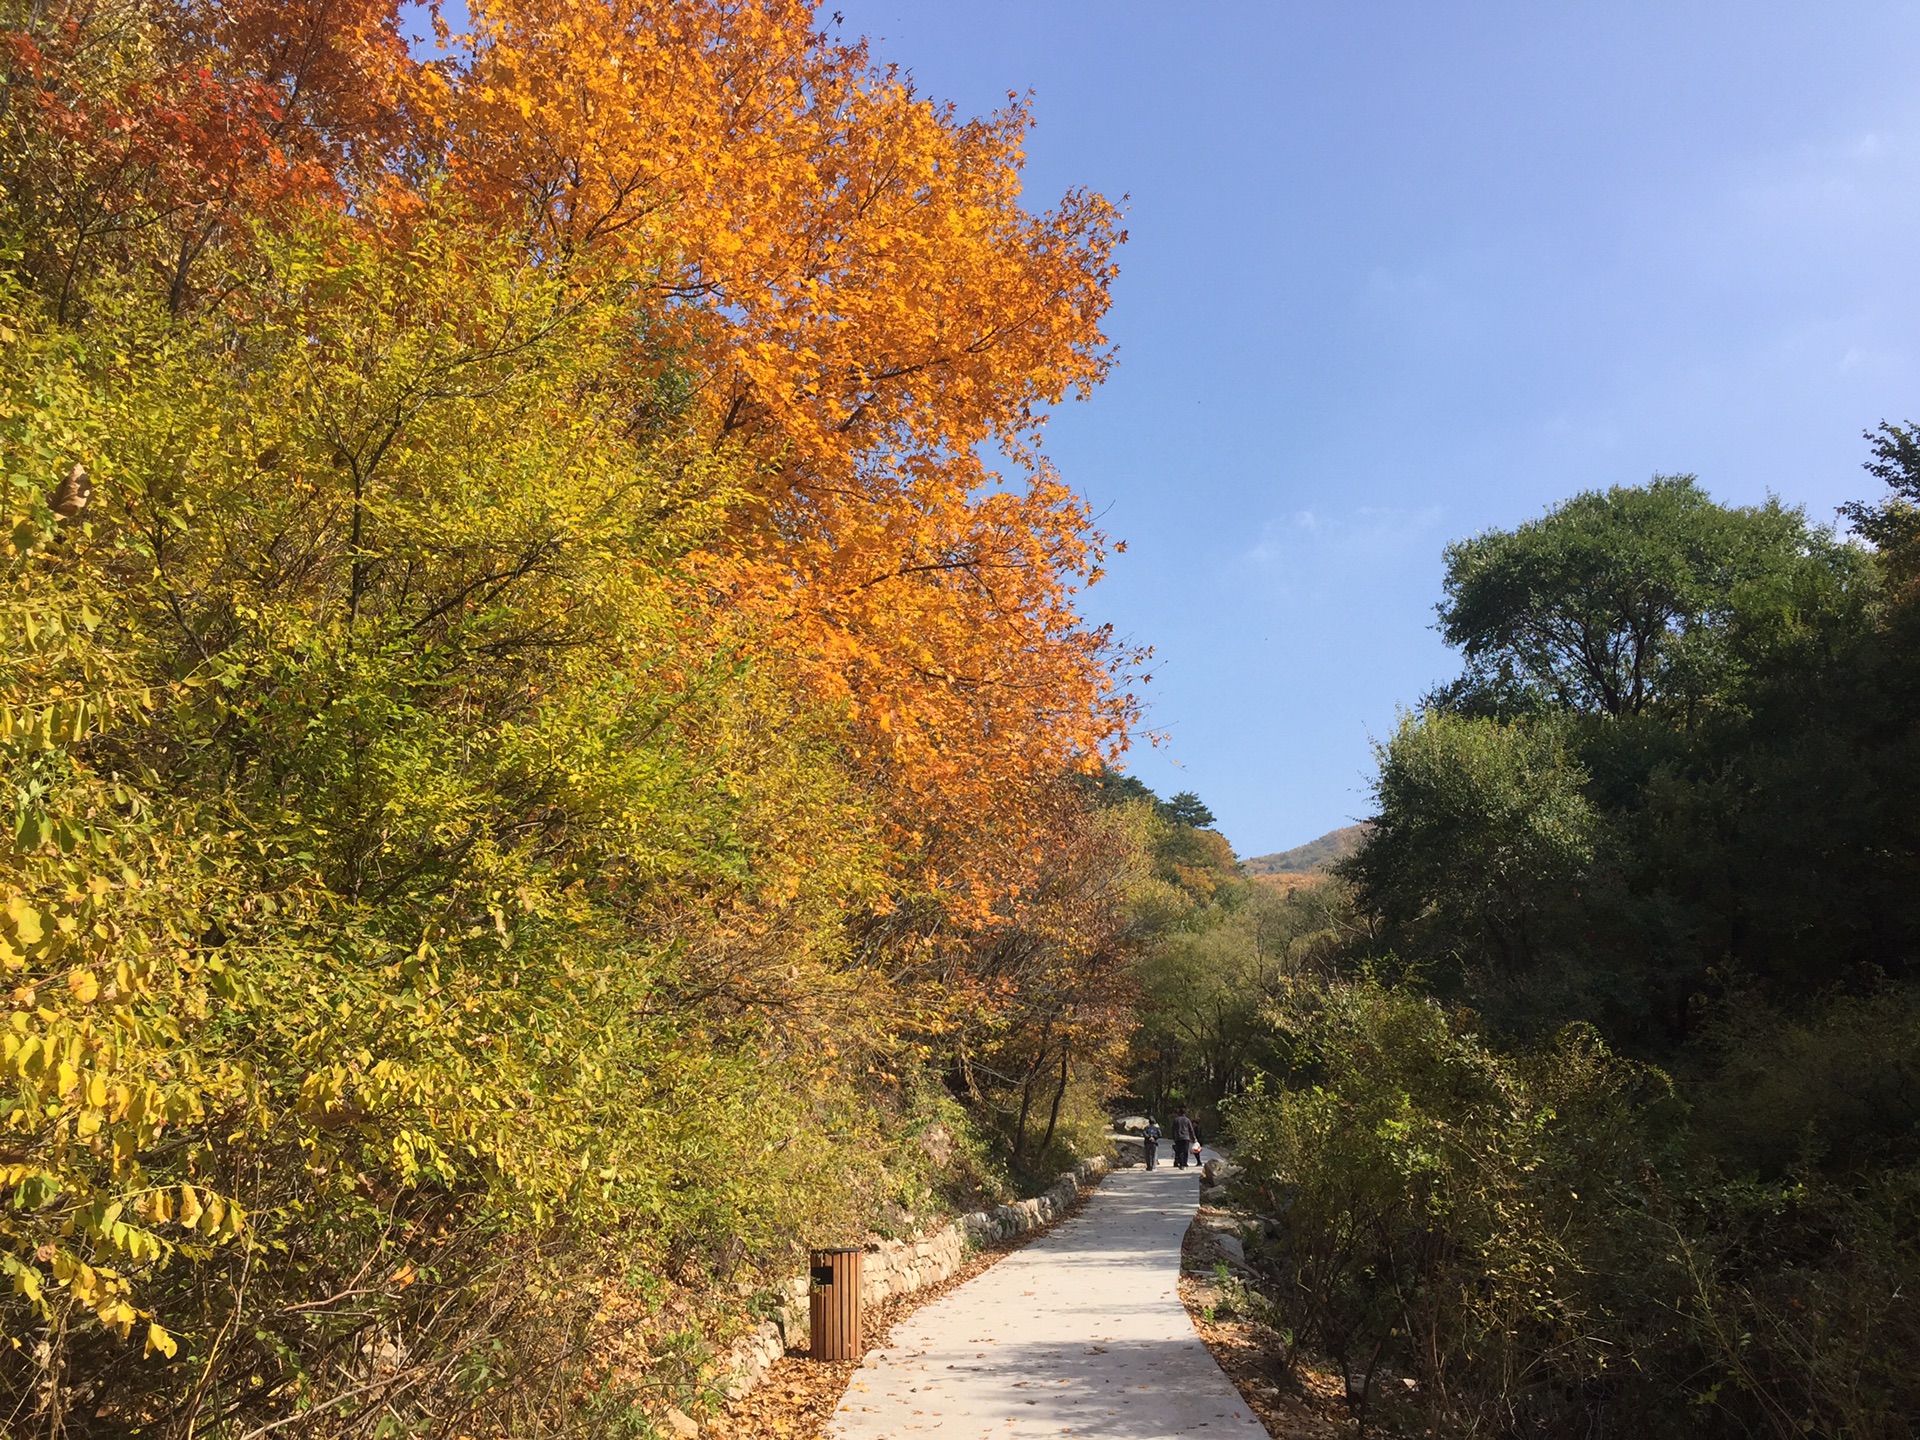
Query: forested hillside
pixel 1598 1109
pixel 547 773
pixel 1313 857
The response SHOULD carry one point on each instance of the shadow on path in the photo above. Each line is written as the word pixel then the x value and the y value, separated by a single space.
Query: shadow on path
pixel 1081 1333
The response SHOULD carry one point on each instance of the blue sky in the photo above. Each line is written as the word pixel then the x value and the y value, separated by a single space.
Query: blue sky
pixel 1402 271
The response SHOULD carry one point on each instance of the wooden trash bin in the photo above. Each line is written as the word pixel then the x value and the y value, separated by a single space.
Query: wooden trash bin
pixel 834 1304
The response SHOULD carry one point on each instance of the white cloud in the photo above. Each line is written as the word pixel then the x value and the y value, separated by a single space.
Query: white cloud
pixel 1366 532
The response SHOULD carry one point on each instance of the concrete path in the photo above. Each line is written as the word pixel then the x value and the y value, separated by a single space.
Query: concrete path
pixel 1080 1333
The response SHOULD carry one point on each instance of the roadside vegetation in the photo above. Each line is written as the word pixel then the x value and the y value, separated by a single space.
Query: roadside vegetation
pixel 546 775
pixel 1585 1102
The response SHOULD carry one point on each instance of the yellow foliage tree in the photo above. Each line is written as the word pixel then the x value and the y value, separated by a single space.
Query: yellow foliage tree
pixel 527 712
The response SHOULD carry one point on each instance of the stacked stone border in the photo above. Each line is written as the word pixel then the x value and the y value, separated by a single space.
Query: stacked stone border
pixel 900 1267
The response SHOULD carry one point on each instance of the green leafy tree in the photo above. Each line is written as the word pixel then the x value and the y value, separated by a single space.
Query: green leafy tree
pixel 1484 833
pixel 1656 845
pixel 1721 697
pixel 1615 603
pixel 1205 980
pixel 1893 523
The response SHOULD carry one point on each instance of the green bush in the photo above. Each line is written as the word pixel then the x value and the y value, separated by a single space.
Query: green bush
pixel 1438 1207
pixel 1538 1240
pixel 1837 1088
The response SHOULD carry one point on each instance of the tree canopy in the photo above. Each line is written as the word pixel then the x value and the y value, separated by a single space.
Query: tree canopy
pixel 1187 808
pixel 1619 602
pixel 1596 1114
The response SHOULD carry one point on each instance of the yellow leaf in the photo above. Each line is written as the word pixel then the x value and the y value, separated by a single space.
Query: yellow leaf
pixel 158 1339
pixel 26 1281
pixel 26 920
pixel 84 1282
pixel 84 985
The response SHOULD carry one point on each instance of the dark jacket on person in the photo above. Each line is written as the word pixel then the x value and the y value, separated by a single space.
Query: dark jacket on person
pixel 1185 1132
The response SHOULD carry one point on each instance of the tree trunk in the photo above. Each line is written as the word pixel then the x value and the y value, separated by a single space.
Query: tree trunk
pixel 1053 1115
pixel 1026 1107
pixel 1026 1092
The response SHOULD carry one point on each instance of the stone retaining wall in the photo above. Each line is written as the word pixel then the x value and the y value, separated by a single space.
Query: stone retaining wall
pixel 1003 1222
pixel 900 1267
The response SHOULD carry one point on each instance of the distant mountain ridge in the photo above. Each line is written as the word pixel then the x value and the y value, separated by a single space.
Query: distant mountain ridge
pixel 1313 857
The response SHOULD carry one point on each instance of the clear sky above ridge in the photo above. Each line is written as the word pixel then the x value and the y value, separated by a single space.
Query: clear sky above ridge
pixel 1401 271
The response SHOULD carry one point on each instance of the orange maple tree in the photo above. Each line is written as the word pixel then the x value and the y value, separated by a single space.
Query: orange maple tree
pixel 850 273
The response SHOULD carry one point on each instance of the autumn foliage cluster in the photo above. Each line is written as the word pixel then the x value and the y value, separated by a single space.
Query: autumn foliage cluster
pixel 531 721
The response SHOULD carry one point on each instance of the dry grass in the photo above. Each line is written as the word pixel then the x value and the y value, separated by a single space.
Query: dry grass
pixel 1291 880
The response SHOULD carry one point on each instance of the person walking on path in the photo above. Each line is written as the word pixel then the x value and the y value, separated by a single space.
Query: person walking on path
pixel 1149 1137
pixel 1184 1136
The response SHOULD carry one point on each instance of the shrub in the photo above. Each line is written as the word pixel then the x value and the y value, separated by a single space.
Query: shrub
pixel 1544 1245
pixel 1436 1202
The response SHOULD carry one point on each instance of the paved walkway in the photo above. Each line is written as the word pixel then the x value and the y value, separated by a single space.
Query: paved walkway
pixel 1080 1333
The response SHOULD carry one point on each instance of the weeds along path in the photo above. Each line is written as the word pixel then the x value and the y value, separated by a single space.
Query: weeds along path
pixel 1081 1333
